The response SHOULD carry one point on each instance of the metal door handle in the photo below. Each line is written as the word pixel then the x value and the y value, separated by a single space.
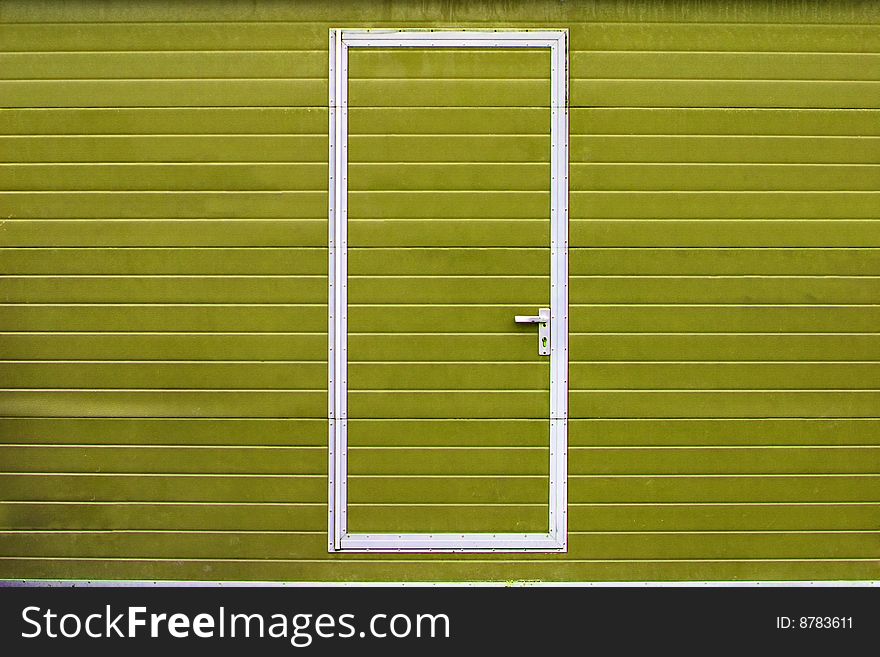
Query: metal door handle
pixel 542 319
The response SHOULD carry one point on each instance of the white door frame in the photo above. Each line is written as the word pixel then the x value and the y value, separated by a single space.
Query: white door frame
pixel 340 539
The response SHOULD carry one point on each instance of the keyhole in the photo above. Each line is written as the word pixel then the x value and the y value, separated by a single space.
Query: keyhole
pixel 544 342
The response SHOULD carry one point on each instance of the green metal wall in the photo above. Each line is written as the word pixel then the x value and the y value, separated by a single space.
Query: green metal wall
pixel 163 301
pixel 449 401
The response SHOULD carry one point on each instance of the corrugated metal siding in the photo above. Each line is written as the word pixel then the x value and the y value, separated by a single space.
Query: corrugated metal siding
pixel 163 402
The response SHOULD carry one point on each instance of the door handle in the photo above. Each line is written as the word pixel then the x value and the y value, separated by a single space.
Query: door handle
pixel 542 319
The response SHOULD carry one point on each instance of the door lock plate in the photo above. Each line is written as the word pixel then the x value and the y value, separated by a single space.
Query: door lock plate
pixel 542 319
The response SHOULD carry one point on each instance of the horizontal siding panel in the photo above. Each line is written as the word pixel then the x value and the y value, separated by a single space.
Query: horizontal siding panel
pixel 510 376
pixel 449 177
pixel 720 289
pixel 504 148
pixel 164 148
pixel 449 232
pixel 783 13
pixel 732 177
pixel 442 120
pixel 725 233
pixel 726 518
pixel 163 346
pixel 100 35
pixel 165 289
pixel 597 177
pixel 448 432
pixel 449 205
pixel 165 403
pixel 608 403
pixel 589 547
pixel 450 121
pixel 796 489
pixel 725 376
pixel 725 148
pixel 725 205
pixel 622 346
pixel 164 93
pixel 723 121
pixel 310 92
pixel 272 176
pixel 726 93
pixel 164 177
pixel 723 261
pixel 437 177
pixel 164 516
pixel 164 431
pixel 769 36
pixel 444 205
pixel 724 403
pixel 447 461
pixel 446 148
pixel 449 261
pixel 446 92
pixel 708 460
pixel 686 31
pixel 610 461
pixel 450 289
pixel 162 460
pixel 303 519
pixel 164 232
pixel 158 317
pixel 158 487
pixel 162 65
pixel 638 488
pixel 146 375
pixel 379 347
pixel 374 64
pixel 721 318
pixel 242 63
pixel 502 518
pixel 725 432
pixel 165 120
pixel 451 569
pixel 409 489
pixel 311 518
pixel 632 518
pixel 647 318
pixel 454 404
pixel 98 261
pixel 595 121
pixel 819 67
pixel 441 432
pixel 388 64
pixel 446 376
pixel 146 205
pixel 584 121
pixel 732 347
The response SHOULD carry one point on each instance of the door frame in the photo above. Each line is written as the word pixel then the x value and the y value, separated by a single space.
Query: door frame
pixel 339 538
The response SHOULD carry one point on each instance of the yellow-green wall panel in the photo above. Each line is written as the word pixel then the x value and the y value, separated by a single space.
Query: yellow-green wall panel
pixel 163 307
